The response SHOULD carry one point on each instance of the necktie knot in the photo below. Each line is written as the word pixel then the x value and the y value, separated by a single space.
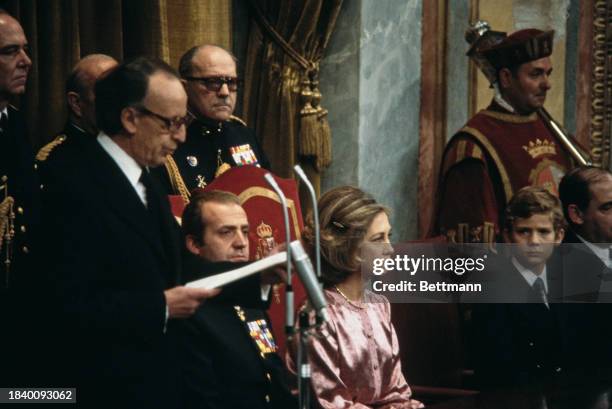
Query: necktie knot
pixel 538 284
pixel 145 178
pixel 540 289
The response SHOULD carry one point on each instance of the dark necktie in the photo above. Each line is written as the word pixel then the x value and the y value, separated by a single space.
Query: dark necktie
pixel 538 286
pixel 152 203
pixel 154 210
pixel 3 122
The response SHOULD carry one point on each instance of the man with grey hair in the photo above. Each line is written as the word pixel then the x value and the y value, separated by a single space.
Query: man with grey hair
pixel 216 140
pixel 116 265
pixel 18 182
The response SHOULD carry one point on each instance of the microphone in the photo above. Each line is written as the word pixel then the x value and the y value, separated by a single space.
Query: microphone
pixel 309 280
pixel 289 310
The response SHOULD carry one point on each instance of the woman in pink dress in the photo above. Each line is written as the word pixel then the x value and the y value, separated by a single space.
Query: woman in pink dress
pixel 355 356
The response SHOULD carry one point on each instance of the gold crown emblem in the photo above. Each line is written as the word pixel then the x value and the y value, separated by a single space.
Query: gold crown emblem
pixel 539 148
pixel 264 230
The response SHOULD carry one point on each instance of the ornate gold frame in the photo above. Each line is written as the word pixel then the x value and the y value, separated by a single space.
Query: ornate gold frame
pixel 601 85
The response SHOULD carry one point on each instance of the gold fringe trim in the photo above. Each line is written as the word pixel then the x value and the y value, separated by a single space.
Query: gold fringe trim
pixel 46 150
pixel 324 157
pixel 315 133
pixel 176 180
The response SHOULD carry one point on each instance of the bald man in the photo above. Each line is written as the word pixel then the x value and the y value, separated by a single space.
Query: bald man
pixel 81 126
pixel 216 140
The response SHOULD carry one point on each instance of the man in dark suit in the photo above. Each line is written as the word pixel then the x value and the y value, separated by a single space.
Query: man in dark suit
pixel 586 194
pixel 519 336
pixel 113 248
pixel 230 338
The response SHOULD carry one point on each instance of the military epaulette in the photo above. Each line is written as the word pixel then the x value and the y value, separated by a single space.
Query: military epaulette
pixel 46 150
pixel 233 118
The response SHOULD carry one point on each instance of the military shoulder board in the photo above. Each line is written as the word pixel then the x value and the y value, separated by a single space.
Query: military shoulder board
pixel 46 150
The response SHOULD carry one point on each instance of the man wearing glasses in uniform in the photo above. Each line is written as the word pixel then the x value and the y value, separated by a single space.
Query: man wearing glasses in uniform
pixel 216 140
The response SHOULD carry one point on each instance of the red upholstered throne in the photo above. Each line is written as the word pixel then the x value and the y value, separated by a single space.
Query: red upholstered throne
pixel 265 216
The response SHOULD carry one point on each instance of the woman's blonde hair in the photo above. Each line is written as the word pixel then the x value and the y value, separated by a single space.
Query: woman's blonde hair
pixel 345 213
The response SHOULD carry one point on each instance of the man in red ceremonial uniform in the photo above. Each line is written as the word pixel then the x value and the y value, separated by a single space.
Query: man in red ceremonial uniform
pixel 506 146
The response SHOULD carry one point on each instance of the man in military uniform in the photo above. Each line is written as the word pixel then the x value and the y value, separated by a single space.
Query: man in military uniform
pixel 19 200
pixel 19 210
pixel 227 351
pixel 504 147
pixel 81 125
pixel 215 140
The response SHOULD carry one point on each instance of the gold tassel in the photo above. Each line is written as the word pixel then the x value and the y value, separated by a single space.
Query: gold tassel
pixel 308 122
pixel 324 157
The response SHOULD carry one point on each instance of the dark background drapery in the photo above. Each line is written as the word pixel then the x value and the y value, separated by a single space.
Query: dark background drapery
pixel 273 79
pixel 60 32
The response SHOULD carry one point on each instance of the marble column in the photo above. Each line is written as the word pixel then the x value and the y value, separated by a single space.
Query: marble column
pixel 370 81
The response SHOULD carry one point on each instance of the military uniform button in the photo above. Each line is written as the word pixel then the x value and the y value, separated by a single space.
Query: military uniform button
pixel 268 398
pixel 42 186
pixel 269 377
pixel 20 210
pixel 558 369
pixel 207 132
pixel 531 344
pixel 35 166
pixel 25 249
pixel 23 229
pixel 538 366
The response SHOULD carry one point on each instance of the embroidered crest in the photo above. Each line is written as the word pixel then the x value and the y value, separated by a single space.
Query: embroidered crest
pixel 265 240
pixel 540 147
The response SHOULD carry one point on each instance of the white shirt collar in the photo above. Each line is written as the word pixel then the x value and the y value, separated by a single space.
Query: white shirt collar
pixel 4 111
pixel 130 168
pixel 501 101
pixel 529 275
pixel 603 253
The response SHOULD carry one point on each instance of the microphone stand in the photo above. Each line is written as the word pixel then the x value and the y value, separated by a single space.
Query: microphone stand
pixel 315 212
pixel 303 363
pixel 289 310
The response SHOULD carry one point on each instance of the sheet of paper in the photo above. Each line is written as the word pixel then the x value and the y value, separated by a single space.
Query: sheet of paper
pixel 219 280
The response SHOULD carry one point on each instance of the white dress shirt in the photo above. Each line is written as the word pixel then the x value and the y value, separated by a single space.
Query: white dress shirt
pixel 130 168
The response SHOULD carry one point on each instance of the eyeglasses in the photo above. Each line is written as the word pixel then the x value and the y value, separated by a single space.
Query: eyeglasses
pixel 214 84
pixel 171 124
